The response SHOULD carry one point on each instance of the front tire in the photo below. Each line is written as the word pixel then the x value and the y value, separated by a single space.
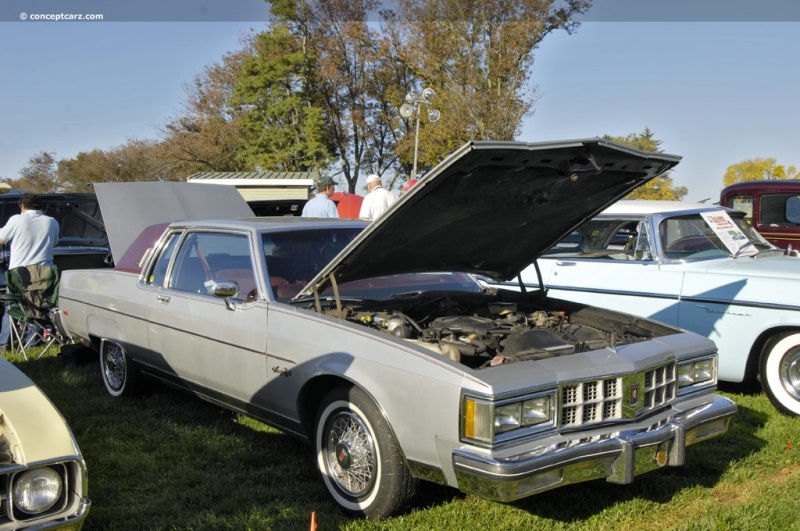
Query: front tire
pixel 780 372
pixel 119 373
pixel 358 456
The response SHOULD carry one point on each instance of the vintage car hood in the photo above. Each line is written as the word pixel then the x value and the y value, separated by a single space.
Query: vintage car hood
pixel 490 208
pixel 129 208
pixel 29 420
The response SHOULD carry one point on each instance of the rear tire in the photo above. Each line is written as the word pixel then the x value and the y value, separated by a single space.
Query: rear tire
pixel 358 456
pixel 780 372
pixel 119 373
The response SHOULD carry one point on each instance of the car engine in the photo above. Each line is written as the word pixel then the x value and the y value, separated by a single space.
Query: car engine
pixel 480 331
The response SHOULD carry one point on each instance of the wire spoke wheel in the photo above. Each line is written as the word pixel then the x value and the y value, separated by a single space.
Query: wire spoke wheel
pixel 358 456
pixel 114 366
pixel 350 453
pixel 119 373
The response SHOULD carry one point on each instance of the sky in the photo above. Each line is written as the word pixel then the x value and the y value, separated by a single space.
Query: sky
pixel 716 86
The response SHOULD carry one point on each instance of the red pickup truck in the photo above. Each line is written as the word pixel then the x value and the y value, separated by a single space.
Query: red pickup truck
pixel 772 207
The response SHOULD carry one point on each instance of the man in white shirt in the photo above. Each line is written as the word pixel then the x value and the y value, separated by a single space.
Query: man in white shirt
pixel 32 236
pixel 377 201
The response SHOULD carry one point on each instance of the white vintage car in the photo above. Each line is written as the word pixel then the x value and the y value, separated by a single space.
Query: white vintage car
pixel 44 481
pixel 696 266
pixel 375 344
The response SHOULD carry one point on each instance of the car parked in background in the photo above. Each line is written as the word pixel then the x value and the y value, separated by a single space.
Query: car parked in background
pixel 82 241
pixel 374 343
pixel 43 474
pixel 771 207
pixel 695 266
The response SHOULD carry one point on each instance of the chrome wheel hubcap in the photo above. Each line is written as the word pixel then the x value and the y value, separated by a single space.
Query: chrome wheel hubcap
pixel 114 366
pixel 350 454
pixel 790 372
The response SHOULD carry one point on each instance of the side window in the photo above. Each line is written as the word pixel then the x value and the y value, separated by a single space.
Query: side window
pixel 159 272
pixel 613 239
pixel 793 209
pixel 204 257
pixel 773 210
pixel 745 204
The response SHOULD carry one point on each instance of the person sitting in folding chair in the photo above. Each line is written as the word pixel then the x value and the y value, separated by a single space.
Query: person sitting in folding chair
pixel 32 236
pixel 32 294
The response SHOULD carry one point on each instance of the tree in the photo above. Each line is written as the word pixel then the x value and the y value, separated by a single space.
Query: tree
pixel 477 55
pixel 660 187
pixel 349 81
pixel 207 136
pixel 137 160
pixel 280 127
pixel 758 169
pixel 39 176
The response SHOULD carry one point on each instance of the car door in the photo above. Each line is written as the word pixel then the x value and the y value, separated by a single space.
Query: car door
pixel 195 338
pixel 609 263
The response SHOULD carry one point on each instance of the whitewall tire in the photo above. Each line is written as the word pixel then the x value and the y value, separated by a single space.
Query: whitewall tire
pixel 780 372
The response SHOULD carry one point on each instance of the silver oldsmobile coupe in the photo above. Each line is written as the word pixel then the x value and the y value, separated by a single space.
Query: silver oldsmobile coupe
pixel 43 481
pixel 700 267
pixel 375 344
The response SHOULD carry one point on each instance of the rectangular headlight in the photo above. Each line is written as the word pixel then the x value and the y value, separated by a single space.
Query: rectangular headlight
pixel 484 420
pixel 507 417
pixel 536 411
pixel 697 371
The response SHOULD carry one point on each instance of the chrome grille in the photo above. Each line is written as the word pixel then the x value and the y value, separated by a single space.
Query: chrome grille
pixel 660 386
pixel 591 402
pixel 596 401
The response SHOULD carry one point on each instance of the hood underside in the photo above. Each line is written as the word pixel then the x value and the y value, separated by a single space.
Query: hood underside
pixel 129 208
pixel 491 208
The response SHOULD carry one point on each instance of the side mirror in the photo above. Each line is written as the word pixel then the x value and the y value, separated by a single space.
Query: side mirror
pixel 224 289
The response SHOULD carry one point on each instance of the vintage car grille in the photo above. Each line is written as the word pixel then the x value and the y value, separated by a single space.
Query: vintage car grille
pixel 596 401
pixel 660 386
pixel 590 402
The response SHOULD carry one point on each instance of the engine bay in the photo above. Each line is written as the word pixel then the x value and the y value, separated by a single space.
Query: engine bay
pixel 483 330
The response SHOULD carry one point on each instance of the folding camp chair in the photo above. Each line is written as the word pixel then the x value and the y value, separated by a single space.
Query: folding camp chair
pixel 32 296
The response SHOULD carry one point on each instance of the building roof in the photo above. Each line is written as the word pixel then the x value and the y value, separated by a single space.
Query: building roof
pixel 254 178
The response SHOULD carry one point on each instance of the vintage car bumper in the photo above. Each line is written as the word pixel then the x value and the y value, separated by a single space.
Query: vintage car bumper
pixel 618 456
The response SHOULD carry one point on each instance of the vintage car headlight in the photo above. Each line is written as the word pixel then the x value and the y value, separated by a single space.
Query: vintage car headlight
pixel 697 371
pixel 483 419
pixel 37 490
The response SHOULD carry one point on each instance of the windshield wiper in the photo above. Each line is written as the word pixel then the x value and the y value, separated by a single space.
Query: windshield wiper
pixel 742 247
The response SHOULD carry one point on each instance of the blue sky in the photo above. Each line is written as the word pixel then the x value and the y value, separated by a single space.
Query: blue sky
pixel 714 92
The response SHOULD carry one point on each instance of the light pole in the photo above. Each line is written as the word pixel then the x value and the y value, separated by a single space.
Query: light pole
pixel 414 103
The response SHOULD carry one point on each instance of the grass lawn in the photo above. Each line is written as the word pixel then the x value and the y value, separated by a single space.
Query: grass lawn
pixel 166 460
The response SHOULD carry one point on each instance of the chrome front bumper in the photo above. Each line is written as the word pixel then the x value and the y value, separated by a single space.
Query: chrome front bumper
pixel 634 449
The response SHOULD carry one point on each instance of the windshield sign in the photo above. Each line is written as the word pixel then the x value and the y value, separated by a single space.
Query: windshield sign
pixel 729 233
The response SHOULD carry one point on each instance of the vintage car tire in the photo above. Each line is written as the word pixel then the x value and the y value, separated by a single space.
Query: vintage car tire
pixel 780 372
pixel 350 426
pixel 119 373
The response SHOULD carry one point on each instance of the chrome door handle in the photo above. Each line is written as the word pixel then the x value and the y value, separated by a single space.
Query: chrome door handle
pixel 162 298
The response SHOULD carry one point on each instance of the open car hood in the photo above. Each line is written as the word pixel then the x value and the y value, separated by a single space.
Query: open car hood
pixel 491 208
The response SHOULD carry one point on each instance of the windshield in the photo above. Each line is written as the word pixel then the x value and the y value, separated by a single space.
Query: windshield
pixel 709 235
pixel 293 258
pixel 696 236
